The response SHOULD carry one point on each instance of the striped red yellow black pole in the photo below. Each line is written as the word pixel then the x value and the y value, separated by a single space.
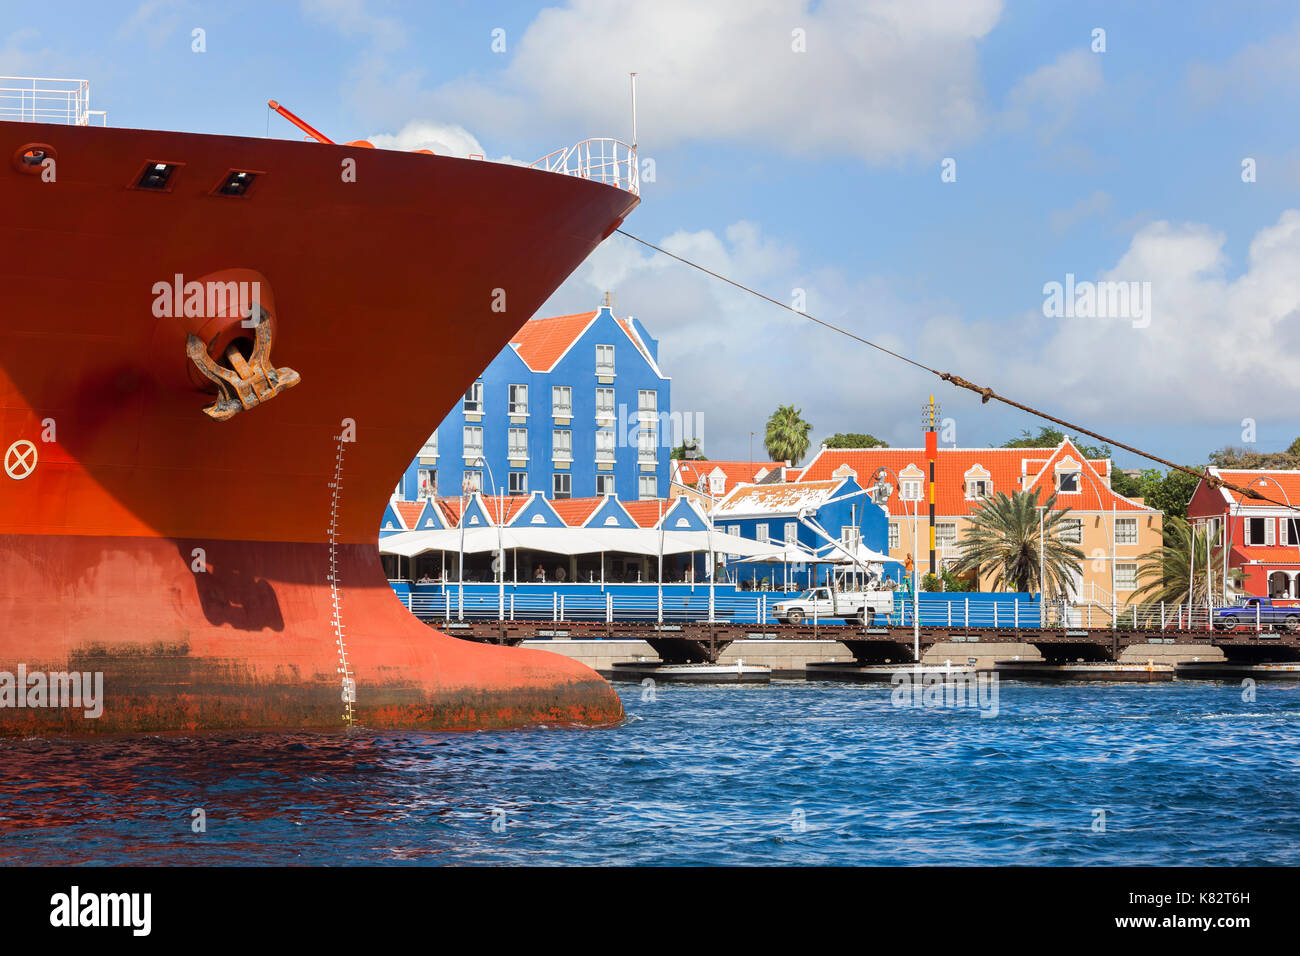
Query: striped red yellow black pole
pixel 931 452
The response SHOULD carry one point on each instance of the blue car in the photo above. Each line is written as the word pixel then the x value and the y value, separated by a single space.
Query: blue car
pixel 1250 610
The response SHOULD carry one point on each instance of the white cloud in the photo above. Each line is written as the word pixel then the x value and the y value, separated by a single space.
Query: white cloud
pixel 1214 353
pixel 881 79
pixel 352 18
pixel 1097 204
pixel 444 139
pixel 1270 68
pixel 1047 99
pixel 157 20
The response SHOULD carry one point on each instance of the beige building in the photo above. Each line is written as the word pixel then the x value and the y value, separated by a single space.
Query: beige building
pixel 1111 530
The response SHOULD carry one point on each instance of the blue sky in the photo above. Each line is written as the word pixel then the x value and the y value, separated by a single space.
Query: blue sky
pixel 820 170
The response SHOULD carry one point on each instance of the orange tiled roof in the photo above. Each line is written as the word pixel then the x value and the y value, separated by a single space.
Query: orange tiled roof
pixel 1010 469
pixel 1270 554
pixel 646 513
pixel 574 511
pixel 786 498
pixel 409 511
pixel 512 504
pixel 1287 481
pixel 735 472
pixel 541 342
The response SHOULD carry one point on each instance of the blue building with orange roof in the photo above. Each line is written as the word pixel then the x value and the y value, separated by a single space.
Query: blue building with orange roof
pixel 575 406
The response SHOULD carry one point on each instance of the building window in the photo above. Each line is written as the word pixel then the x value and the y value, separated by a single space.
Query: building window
pixel 518 442
pixel 647 487
pixel 518 482
pixel 978 488
pixel 895 539
pixel 1292 530
pixel 1071 530
pixel 561 485
pixel 1067 482
pixel 473 441
pixel 604 444
pixel 911 489
pixel 850 536
pixel 604 360
pixel 1126 530
pixel 647 403
pixel 792 532
pixel 646 440
pixel 518 399
pixel 561 401
pixel 562 444
pixel 604 484
pixel 428 484
pixel 604 403
pixel 430 449
pixel 1259 531
pixel 945 536
pixel 474 398
pixel 760 531
pixel 471 482
pixel 717 484
pixel 1126 576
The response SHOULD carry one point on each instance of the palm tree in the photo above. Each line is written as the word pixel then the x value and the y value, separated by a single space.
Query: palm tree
pixel 1004 535
pixel 787 434
pixel 1164 572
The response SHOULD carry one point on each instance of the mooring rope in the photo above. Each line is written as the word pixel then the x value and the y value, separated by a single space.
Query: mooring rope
pixel 986 393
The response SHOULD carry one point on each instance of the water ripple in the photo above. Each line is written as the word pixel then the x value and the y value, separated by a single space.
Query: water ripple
pixel 790 773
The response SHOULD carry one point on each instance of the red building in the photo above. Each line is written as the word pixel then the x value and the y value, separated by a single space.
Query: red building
pixel 1263 539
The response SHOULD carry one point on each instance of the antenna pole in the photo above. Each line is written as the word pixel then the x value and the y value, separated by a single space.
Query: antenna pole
pixel 633 76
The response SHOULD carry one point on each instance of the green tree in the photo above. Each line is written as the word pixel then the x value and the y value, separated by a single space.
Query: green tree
pixel 787 434
pixel 1169 492
pixel 1004 536
pixel 854 440
pixel 1048 437
pixel 1237 457
pixel 1164 572
pixel 679 453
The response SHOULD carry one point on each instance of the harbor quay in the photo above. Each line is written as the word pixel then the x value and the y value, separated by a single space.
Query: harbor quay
pixel 790 658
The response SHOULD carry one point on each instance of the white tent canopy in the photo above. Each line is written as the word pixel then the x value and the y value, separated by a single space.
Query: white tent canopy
pixel 838 554
pixel 569 541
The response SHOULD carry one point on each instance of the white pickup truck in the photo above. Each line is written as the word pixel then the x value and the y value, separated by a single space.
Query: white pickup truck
pixel 860 607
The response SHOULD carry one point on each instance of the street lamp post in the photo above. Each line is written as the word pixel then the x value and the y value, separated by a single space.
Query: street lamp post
pixel 881 492
pixel 501 554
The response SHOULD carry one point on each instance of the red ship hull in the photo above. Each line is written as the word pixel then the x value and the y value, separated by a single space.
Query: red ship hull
pixel 225 574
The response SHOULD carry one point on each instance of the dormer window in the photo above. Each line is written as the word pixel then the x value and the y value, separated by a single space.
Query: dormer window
pixel 717 484
pixel 978 488
pixel 1067 482
pixel 911 489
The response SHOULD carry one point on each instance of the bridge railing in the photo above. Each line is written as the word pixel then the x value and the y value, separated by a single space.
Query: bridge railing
pixel 982 612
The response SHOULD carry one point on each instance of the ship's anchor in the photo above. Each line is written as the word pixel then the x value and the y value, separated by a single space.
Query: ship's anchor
pixel 247 381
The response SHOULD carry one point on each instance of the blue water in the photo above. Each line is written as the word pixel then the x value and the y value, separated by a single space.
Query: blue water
pixel 789 773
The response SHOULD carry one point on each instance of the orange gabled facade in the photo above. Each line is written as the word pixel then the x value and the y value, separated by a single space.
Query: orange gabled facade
pixel 1113 531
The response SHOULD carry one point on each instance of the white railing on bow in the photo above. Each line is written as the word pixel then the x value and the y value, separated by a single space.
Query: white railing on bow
pixel 607 161
pixel 39 99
